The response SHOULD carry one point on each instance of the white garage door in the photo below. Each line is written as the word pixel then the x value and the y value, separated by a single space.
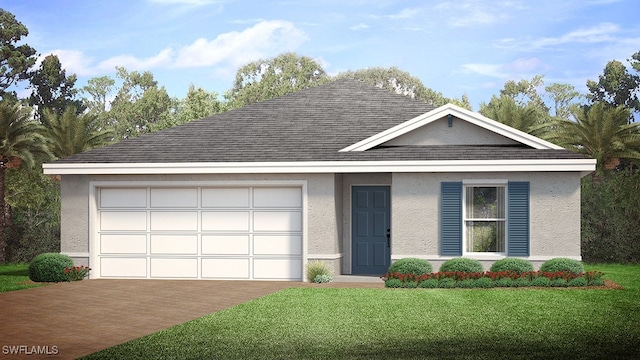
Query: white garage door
pixel 199 233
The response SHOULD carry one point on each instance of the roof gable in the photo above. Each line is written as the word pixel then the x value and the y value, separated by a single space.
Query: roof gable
pixel 415 131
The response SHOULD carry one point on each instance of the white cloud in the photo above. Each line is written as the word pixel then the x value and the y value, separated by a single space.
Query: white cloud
pixel 596 34
pixel 361 26
pixel 525 65
pixel 186 2
pixel 519 68
pixel 491 70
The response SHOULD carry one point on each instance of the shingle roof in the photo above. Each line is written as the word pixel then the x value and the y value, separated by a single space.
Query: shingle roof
pixel 309 125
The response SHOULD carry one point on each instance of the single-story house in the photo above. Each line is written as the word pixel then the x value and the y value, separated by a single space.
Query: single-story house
pixel 347 173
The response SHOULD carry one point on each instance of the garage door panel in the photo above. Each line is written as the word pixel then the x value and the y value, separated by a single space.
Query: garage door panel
pixel 225 268
pixel 174 221
pixel 280 269
pixel 123 198
pixel 123 244
pixel 225 197
pixel 174 198
pixel 123 267
pixel 277 221
pixel 277 197
pixel 225 244
pixel 277 245
pixel 174 268
pixel 225 220
pixel 123 221
pixel 174 244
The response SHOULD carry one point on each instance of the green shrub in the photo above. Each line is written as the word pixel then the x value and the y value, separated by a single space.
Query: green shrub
pixel 579 281
pixel 411 266
pixel 596 282
pixel 393 283
pixel 410 284
pixel 504 282
pixel 447 283
pixel 541 281
pixel 462 264
pixel 49 267
pixel 315 268
pixel 322 278
pixel 522 282
pixel 512 264
pixel 562 264
pixel 559 283
pixel 484 283
pixel 466 283
pixel 429 284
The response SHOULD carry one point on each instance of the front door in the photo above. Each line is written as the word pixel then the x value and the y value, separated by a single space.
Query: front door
pixel 370 226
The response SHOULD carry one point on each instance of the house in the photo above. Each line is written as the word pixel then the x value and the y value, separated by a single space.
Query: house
pixel 347 173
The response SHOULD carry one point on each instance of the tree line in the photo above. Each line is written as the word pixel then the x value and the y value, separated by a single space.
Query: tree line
pixel 58 119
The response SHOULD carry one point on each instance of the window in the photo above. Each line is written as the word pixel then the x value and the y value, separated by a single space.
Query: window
pixel 484 217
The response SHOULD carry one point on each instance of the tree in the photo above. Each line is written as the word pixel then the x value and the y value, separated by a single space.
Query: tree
pixel 528 118
pixel 22 141
pixel 562 97
pixel 268 78
pixel 601 132
pixel 99 89
pixel 72 133
pixel 525 92
pixel 15 61
pixel 616 87
pixel 52 88
pixel 196 105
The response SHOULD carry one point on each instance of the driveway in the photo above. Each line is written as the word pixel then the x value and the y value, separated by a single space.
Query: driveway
pixel 69 320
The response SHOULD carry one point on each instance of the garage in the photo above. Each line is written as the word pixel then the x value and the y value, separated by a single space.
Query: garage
pixel 249 232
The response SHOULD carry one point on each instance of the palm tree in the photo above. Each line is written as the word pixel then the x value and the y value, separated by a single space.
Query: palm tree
pixel 529 119
pixel 602 132
pixel 21 140
pixel 71 133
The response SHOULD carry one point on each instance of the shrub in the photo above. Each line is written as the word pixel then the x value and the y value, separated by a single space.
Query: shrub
pixel 462 265
pixel 541 281
pixel 76 273
pixel 322 278
pixel 522 282
pixel 447 283
pixel 484 283
pixel 466 284
pixel 559 282
pixel 580 281
pixel 393 283
pixel 429 284
pixel 562 264
pixel 411 266
pixel 504 282
pixel 49 267
pixel 512 264
pixel 410 284
pixel 596 282
pixel 315 268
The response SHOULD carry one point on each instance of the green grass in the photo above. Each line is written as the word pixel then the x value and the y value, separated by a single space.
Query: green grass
pixel 15 277
pixel 326 323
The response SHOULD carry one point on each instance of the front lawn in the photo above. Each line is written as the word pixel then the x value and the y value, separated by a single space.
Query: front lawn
pixel 328 323
pixel 15 277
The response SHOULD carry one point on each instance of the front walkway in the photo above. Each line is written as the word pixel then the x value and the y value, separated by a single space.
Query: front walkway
pixel 69 320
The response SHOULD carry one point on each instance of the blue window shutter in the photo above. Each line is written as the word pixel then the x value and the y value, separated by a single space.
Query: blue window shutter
pixel 518 218
pixel 451 219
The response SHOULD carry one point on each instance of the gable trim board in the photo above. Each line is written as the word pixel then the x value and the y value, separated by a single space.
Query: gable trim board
pixel 459 113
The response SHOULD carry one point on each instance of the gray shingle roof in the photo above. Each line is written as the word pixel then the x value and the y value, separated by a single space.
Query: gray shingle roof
pixel 309 125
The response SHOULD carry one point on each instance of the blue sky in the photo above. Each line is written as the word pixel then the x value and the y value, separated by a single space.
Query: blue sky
pixel 454 47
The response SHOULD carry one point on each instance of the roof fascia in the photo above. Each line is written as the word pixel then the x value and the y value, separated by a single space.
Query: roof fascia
pixel 460 113
pixel 556 165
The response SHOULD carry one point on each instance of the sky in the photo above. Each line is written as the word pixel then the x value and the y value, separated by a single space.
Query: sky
pixel 454 47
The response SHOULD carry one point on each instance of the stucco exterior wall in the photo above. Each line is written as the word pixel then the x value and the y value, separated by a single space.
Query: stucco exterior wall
pixel 460 133
pixel 323 227
pixel 554 214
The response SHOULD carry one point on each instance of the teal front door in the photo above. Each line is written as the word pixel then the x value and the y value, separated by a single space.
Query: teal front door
pixel 370 230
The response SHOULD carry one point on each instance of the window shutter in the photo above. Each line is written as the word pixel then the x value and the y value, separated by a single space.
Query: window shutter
pixel 518 219
pixel 451 219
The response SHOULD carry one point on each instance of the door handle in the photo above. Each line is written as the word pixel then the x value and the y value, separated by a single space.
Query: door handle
pixel 388 237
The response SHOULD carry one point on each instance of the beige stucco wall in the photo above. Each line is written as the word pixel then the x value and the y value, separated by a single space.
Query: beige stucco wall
pixel 460 133
pixel 323 227
pixel 554 213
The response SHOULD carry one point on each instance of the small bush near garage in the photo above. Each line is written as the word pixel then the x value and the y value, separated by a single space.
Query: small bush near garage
pixel 49 267
pixel 318 270
pixel 464 265
pixel 411 266
pixel 562 264
pixel 512 264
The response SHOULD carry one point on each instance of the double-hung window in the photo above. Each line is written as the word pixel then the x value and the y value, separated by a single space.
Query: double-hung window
pixel 485 218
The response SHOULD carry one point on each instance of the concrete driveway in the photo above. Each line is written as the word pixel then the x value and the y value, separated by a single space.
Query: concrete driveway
pixel 69 320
